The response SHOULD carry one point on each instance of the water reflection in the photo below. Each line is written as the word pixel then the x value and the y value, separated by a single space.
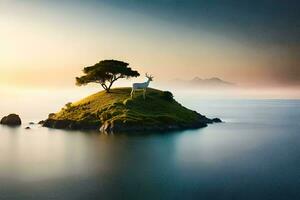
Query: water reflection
pixel 247 158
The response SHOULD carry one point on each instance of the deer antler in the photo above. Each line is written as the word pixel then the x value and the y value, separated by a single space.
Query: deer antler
pixel 149 76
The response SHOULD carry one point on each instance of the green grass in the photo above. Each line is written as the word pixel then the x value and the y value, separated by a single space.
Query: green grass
pixel 159 107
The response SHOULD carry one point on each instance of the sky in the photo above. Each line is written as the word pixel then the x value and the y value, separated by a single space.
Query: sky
pixel 251 43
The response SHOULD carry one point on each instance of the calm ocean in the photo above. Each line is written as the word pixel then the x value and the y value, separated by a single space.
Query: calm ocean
pixel 255 154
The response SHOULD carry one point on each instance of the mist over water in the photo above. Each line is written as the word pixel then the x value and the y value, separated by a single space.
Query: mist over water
pixel 35 103
pixel 253 155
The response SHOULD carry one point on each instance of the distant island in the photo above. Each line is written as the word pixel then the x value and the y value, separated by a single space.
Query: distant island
pixel 118 112
pixel 213 82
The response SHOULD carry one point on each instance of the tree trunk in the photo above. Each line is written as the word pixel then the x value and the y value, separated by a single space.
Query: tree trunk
pixel 110 84
pixel 105 87
pixel 108 88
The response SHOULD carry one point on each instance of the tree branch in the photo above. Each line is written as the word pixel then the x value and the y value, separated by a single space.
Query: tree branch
pixel 104 86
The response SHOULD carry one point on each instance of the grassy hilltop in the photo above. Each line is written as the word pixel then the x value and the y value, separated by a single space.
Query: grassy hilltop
pixel 117 112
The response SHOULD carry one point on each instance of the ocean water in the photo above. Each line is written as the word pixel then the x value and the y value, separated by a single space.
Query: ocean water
pixel 255 154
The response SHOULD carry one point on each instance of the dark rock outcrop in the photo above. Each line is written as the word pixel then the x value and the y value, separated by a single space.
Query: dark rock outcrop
pixel 216 120
pixel 70 124
pixel 41 122
pixel 11 120
pixel 127 126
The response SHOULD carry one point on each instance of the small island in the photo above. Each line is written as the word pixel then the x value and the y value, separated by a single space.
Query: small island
pixel 124 109
pixel 116 111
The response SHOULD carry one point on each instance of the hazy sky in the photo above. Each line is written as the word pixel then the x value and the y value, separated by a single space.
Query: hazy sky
pixel 47 43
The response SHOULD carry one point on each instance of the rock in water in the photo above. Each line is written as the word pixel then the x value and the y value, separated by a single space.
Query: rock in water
pixel 216 120
pixel 11 120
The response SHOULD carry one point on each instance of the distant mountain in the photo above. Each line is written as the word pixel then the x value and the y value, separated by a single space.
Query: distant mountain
pixel 199 82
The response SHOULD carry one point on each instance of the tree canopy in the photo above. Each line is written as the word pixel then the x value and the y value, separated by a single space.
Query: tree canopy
pixel 106 72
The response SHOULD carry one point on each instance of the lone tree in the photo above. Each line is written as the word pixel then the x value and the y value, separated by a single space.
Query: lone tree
pixel 106 72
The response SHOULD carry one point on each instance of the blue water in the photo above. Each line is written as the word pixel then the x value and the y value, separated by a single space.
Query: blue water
pixel 255 154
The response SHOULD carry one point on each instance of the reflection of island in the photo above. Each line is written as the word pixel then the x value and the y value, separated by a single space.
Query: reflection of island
pixel 117 112
pixel 198 82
